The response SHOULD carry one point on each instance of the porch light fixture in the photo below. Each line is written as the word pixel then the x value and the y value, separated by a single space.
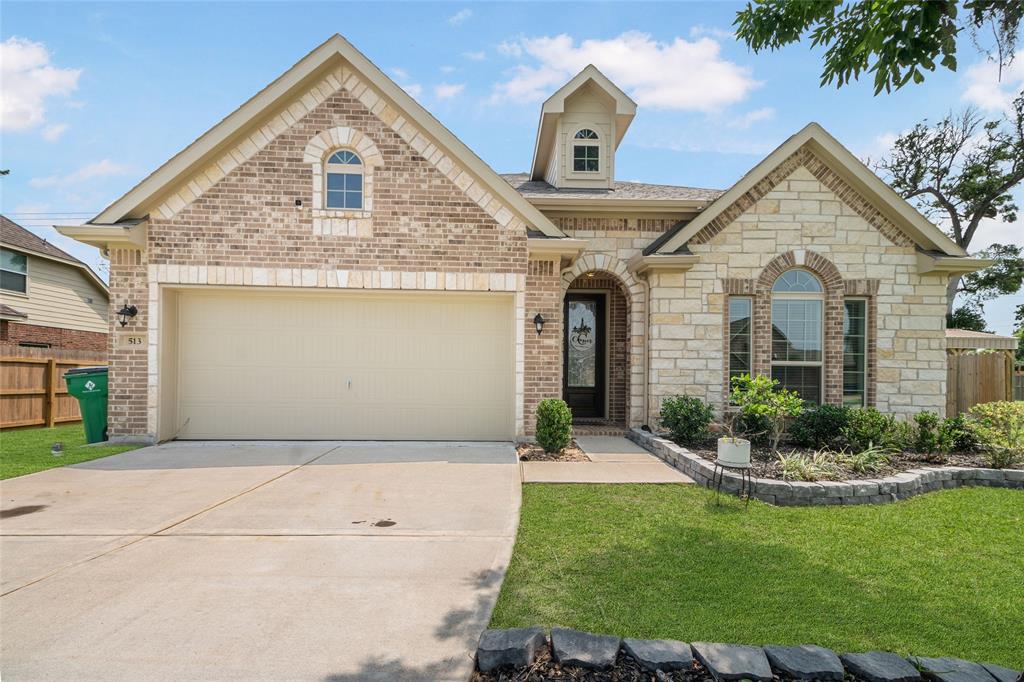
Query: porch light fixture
pixel 538 322
pixel 126 312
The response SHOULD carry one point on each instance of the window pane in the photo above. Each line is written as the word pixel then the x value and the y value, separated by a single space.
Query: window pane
pixel 854 352
pixel 354 199
pixel 586 134
pixel 799 281
pixel 12 281
pixel 344 157
pixel 335 181
pixel 739 336
pixel 806 381
pixel 12 260
pixel 335 199
pixel 582 357
pixel 585 158
pixel 796 330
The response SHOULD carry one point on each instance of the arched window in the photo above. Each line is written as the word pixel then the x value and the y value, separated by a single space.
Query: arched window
pixel 797 323
pixel 586 152
pixel 344 185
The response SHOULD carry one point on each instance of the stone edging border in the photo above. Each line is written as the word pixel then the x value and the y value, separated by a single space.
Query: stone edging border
pixel 861 491
pixel 519 648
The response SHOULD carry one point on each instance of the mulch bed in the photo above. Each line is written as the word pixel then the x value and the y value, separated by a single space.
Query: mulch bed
pixel 531 452
pixel 766 464
pixel 626 669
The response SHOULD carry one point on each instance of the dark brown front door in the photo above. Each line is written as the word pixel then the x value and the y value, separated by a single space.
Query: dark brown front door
pixel 584 355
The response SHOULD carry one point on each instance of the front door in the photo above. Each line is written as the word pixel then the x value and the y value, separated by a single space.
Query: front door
pixel 584 355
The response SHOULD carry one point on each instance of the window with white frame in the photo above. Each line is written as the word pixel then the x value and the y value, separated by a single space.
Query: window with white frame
pixel 586 152
pixel 343 187
pixel 740 335
pixel 797 339
pixel 855 352
pixel 13 271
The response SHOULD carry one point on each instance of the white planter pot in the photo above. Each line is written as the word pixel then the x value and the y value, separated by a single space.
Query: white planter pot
pixel 734 452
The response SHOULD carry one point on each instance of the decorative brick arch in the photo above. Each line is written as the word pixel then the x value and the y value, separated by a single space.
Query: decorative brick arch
pixel 636 322
pixel 832 323
pixel 345 222
pixel 342 137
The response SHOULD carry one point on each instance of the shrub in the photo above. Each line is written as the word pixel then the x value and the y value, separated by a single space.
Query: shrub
pixel 820 465
pixel 554 425
pixel 869 461
pixel 1000 427
pixel 957 434
pixel 687 418
pixel 760 398
pixel 927 439
pixel 866 426
pixel 819 427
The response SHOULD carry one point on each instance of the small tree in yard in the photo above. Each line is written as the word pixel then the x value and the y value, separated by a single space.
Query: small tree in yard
pixel 554 425
pixel 759 399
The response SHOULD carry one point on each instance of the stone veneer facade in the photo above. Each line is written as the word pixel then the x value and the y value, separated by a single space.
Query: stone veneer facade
pixel 255 218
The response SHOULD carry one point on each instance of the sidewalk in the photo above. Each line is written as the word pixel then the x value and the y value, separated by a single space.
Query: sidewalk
pixel 614 459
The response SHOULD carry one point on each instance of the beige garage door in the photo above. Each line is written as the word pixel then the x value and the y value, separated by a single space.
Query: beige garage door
pixel 345 365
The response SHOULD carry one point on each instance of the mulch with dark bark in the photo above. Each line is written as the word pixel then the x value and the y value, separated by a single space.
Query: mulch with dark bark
pixel 626 669
pixel 531 452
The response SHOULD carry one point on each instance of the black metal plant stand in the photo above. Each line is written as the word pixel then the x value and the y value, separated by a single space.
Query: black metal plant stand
pixel 746 490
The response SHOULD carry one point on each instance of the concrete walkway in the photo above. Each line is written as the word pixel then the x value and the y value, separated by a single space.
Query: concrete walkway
pixel 613 460
pixel 214 561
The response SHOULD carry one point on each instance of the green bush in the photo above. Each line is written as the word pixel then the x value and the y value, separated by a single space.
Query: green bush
pixel 760 398
pixel 866 426
pixel 819 427
pixel 927 439
pixel 554 425
pixel 687 418
pixel 957 434
pixel 1000 427
pixel 873 460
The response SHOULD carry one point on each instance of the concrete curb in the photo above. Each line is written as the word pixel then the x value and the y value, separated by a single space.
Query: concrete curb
pixel 799 493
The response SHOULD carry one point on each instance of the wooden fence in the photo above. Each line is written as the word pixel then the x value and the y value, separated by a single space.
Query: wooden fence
pixel 1018 384
pixel 977 378
pixel 32 388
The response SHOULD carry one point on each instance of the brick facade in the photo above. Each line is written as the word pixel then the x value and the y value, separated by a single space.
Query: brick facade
pixel 543 358
pixel 17 333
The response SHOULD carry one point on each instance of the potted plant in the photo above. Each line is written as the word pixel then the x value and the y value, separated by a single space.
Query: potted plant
pixel 733 451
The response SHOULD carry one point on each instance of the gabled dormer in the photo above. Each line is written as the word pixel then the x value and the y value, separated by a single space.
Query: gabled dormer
pixel 580 128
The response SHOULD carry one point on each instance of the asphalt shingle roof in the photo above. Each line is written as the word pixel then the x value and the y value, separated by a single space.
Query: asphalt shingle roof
pixel 13 234
pixel 621 190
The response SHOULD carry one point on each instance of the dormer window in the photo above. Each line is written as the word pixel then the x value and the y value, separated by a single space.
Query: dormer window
pixel 344 180
pixel 586 152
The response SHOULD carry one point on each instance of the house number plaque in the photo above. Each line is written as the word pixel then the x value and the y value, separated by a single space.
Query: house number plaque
pixel 131 341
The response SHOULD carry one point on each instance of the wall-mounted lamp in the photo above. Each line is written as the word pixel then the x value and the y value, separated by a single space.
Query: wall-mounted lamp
pixel 126 312
pixel 538 322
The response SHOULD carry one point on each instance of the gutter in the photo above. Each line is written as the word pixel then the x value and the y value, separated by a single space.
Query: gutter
pixel 928 264
pixel 106 237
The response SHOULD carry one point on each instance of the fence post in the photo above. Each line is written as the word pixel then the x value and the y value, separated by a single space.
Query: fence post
pixel 50 408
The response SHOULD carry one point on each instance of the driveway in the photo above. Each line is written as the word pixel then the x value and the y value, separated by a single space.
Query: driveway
pixel 331 561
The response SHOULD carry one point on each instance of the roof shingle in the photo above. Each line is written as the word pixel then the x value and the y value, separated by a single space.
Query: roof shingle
pixel 621 190
pixel 13 234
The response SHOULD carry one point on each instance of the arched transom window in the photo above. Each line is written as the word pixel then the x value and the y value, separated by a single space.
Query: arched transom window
pixel 344 180
pixel 586 151
pixel 797 344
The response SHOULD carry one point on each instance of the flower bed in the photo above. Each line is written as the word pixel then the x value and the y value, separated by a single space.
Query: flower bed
pixel 876 490
pixel 531 452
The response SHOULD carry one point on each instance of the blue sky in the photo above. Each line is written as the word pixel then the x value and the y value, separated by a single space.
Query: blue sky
pixel 97 95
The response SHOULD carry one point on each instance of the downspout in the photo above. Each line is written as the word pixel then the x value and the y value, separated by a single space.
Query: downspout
pixel 647 353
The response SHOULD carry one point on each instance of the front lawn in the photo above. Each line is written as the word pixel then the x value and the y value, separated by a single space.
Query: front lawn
pixel 26 451
pixel 939 574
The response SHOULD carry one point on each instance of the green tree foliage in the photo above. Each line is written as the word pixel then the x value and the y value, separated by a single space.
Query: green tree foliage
pixel 896 40
pixel 966 317
pixel 959 172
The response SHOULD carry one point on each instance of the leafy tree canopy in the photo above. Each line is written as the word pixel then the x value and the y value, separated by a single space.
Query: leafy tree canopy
pixel 897 40
pixel 966 317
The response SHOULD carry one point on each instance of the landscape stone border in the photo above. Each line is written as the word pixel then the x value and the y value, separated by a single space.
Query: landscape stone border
pixel 856 491
pixel 519 648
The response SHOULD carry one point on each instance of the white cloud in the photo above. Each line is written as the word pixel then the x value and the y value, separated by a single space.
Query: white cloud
pixel 749 118
pixel 28 80
pixel 96 169
pixel 448 90
pixel 414 89
pixel 700 30
pixel 475 56
pixel 52 133
pixel 986 90
pixel 447 69
pixel 400 74
pixel 682 74
pixel 460 17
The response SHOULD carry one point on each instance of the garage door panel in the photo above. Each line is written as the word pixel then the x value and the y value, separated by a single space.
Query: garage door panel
pixel 388 366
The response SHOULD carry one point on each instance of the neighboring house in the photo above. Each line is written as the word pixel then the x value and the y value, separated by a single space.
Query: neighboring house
pixel 330 262
pixel 48 298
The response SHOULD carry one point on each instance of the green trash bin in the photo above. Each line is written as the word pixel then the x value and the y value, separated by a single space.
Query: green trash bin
pixel 89 385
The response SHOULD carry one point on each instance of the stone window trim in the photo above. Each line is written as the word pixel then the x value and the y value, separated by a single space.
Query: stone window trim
pixel 348 222
pixel 836 291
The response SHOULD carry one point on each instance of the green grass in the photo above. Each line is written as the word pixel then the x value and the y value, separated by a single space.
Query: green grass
pixel 26 451
pixel 939 574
